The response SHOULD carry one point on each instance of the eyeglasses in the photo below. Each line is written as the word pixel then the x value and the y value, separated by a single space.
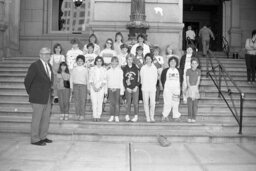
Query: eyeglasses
pixel 109 42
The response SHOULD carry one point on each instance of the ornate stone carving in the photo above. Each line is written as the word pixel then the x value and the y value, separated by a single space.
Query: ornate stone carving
pixel 137 24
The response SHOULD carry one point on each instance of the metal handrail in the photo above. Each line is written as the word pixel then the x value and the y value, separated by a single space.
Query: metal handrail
pixel 225 46
pixel 217 73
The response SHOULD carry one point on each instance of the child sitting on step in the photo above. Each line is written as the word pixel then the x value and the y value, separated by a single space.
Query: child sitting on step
pixel 193 76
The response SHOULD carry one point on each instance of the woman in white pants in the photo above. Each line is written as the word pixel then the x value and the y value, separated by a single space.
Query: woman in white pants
pixel 148 75
pixel 98 88
pixel 171 80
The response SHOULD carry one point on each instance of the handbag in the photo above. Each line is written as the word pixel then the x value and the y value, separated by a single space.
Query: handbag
pixel 66 83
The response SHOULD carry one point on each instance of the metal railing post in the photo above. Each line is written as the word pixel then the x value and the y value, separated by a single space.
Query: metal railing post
pixel 220 71
pixel 241 113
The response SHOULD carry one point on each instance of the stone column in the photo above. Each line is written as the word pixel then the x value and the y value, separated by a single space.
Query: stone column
pixel 235 30
pixel 137 22
pixel 3 27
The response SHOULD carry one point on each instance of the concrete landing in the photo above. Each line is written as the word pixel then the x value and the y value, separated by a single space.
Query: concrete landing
pixel 16 154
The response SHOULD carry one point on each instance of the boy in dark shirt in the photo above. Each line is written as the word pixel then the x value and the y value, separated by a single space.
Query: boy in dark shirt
pixel 193 76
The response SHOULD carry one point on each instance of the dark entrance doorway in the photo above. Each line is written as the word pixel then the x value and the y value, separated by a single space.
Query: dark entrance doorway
pixel 199 13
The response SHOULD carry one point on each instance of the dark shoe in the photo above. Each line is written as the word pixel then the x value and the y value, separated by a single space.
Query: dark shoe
pixel 40 143
pixel 46 140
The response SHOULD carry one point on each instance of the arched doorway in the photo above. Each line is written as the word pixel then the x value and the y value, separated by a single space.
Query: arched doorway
pixel 200 12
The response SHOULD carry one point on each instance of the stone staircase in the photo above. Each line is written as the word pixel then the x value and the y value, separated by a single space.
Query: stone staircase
pixel 215 122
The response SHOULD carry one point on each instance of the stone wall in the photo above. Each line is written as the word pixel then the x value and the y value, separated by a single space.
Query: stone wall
pixel 164 29
pixel 247 18
pixel 106 18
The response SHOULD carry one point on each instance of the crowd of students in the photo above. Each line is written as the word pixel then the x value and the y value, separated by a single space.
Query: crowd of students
pixel 130 72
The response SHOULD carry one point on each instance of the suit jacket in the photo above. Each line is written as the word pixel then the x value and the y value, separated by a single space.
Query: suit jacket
pixel 38 84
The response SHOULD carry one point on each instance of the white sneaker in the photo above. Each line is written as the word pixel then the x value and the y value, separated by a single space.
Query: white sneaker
pixel 148 119
pixel 189 120
pixel 61 116
pixel 116 119
pixel 193 120
pixel 111 119
pixel 135 118
pixel 127 118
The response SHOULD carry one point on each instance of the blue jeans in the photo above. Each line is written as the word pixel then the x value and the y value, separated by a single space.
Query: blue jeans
pixel 132 98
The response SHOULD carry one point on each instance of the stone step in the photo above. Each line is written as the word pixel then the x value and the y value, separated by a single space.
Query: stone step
pixel 26 64
pixel 16 107
pixel 218 116
pixel 134 132
pixel 204 99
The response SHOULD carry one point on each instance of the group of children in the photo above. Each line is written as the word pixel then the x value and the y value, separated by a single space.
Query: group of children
pixel 129 72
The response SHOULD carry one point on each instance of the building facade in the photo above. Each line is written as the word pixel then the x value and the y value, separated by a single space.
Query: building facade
pixel 27 25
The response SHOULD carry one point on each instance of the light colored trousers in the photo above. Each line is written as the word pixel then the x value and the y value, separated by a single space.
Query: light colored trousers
pixel 97 101
pixel 171 104
pixel 149 110
pixel 40 121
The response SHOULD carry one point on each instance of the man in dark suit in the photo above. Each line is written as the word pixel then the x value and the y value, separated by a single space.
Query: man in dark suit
pixel 38 83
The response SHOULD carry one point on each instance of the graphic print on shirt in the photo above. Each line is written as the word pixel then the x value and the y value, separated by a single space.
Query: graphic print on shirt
pixel 130 76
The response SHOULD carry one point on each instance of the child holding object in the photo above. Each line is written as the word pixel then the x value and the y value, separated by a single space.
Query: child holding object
pixel 115 88
pixel 171 81
pixel 148 75
pixel 63 91
pixel 193 80
pixel 79 82
pixel 98 87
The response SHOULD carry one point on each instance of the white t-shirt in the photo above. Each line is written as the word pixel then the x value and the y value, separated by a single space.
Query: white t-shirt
pixel 89 58
pixel 107 54
pixel 71 57
pixel 96 49
pixel 191 34
pixel 172 82
pixel 148 77
pixel 146 49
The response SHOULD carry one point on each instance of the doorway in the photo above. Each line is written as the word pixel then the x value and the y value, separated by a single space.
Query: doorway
pixel 199 13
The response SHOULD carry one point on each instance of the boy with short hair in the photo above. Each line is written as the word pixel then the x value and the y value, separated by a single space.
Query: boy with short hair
pixel 193 76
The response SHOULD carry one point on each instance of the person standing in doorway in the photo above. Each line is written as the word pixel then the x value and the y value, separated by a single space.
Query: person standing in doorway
pixel 205 34
pixel 190 35
pixel 38 83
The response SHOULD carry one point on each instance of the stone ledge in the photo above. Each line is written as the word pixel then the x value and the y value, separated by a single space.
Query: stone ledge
pixel 56 36
pixel 122 26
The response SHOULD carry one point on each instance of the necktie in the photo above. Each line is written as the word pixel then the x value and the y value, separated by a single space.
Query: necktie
pixel 47 70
